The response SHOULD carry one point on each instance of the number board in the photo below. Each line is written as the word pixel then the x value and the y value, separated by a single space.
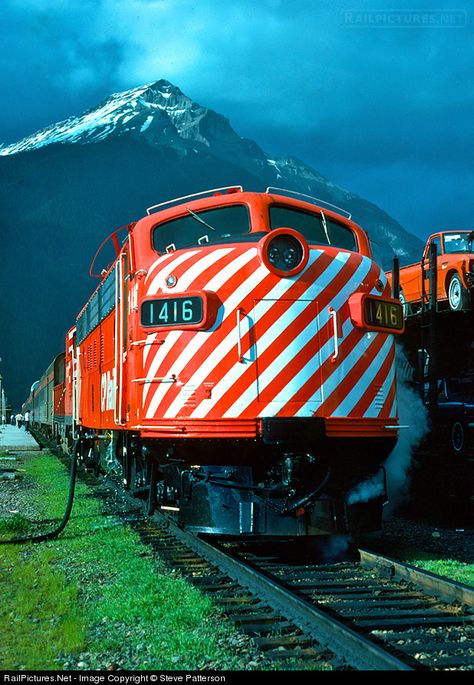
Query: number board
pixel 382 314
pixel 172 311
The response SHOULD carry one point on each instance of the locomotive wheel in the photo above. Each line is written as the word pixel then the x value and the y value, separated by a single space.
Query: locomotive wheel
pixel 138 487
pixel 152 491
pixel 457 438
pixel 456 294
pixel 132 477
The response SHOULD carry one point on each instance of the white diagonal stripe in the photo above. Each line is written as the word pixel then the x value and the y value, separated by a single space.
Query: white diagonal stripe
pixel 160 354
pixel 291 350
pixel 340 372
pixel 312 292
pixel 330 384
pixel 321 356
pixel 305 374
pixel 201 337
pixel 358 390
pixel 173 336
pixel 394 410
pixel 277 292
pixel 310 367
pixel 150 338
pixel 197 269
pixel 230 270
pixel 373 411
pixel 162 259
pixel 160 278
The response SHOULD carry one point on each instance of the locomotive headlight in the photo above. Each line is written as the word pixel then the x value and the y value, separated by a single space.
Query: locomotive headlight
pixel 284 252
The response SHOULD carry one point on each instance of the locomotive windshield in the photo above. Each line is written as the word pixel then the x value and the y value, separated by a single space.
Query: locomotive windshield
pixel 200 228
pixel 316 228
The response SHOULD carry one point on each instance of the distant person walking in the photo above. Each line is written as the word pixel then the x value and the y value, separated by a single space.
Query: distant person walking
pixel 3 419
pixel 18 419
pixel 27 421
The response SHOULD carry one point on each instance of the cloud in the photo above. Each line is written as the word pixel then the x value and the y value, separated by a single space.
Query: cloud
pixel 294 76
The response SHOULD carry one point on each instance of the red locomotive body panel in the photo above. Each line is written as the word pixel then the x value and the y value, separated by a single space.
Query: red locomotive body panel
pixel 265 348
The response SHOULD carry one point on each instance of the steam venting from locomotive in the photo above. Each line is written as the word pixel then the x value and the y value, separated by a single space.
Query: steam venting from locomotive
pixel 412 414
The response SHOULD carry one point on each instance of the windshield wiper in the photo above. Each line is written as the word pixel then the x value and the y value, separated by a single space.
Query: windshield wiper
pixel 325 226
pixel 198 218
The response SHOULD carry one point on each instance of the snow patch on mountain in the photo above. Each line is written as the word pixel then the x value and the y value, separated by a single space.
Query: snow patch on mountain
pixel 161 116
pixel 130 111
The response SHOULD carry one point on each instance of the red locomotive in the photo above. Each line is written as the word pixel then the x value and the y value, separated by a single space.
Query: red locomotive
pixel 236 365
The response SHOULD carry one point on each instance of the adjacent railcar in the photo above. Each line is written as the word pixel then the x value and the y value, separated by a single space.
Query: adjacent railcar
pixel 46 403
pixel 235 366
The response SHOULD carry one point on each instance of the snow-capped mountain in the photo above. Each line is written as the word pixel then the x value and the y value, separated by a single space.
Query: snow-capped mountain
pixel 157 108
pixel 65 188
pixel 160 115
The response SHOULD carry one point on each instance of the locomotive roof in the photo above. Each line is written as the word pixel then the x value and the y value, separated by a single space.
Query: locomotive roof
pixel 231 190
pixel 234 194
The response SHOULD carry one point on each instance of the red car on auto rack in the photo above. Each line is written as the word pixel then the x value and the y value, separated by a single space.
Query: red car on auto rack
pixel 455 272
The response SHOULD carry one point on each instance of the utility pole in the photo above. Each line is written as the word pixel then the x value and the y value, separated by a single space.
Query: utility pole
pixel 2 398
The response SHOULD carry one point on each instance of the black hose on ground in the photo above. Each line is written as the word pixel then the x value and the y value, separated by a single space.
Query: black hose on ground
pixel 72 486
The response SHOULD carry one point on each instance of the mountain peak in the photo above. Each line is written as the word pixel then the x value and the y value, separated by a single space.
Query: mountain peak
pixel 160 115
pixel 131 112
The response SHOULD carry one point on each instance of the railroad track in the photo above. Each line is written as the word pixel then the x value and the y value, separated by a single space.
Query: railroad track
pixel 369 614
pixel 421 619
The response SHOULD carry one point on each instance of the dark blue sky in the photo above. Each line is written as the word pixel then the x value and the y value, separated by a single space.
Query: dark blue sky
pixel 377 96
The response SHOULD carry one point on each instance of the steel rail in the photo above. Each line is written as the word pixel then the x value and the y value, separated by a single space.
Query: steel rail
pixel 446 589
pixel 354 648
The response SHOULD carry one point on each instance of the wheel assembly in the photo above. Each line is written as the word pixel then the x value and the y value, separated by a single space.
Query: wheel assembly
pixel 457 438
pixel 456 293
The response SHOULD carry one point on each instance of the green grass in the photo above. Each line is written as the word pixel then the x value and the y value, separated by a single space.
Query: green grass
pixel 95 597
pixel 38 614
pixel 15 526
pixel 460 571
pixel 411 552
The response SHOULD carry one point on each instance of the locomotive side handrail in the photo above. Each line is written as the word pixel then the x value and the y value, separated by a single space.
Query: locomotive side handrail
pixel 188 197
pixel 118 366
pixel 270 190
pixel 156 379
pixel 76 388
pixel 333 315
pixel 239 337
pixel 115 241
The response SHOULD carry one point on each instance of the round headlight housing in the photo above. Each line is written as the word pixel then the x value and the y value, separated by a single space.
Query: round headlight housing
pixel 284 252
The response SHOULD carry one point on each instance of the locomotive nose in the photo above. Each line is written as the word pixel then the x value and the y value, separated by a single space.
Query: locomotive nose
pixel 284 252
